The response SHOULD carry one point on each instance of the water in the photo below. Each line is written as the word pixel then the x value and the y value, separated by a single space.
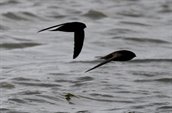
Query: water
pixel 38 72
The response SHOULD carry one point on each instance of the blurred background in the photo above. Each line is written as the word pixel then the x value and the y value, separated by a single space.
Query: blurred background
pixel 37 70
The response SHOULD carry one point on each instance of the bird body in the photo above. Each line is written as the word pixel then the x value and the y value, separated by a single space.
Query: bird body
pixel 121 55
pixel 77 28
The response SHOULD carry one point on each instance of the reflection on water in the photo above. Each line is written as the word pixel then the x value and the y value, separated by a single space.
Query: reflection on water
pixel 38 74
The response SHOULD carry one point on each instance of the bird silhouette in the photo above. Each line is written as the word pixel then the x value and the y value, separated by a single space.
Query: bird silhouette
pixel 121 55
pixel 77 28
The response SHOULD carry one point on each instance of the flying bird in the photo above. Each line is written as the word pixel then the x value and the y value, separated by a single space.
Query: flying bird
pixel 121 55
pixel 77 28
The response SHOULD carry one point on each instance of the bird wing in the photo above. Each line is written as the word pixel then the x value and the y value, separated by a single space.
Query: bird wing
pixel 50 27
pixel 106 61
pixel 78 42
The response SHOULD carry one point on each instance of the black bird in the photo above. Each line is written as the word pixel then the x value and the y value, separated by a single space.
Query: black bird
pixel 77 28
pixel 121 55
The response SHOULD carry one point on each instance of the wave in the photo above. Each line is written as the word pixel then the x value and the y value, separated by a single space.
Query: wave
pixel 151 60
pixel 163 80
pixel 18 45
pixel 134 23
pixel 20 16
pixel 143 40
pixel 95 14
pixel 132 61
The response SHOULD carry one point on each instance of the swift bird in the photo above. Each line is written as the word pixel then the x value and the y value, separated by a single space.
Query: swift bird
pixel 121 55
pixel 77 28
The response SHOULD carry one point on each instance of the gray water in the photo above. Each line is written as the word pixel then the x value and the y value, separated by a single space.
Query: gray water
pixel 37 69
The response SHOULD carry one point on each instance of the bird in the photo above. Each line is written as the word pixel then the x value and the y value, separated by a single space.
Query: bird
pixel 79 34
pixel 121 55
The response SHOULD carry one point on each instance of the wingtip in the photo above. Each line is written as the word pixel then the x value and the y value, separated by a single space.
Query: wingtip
pixel 40 30
pixel 89 70
pixel 86 71
pixel 75 56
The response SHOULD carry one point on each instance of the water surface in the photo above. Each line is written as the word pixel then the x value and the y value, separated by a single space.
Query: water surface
pixel 37 70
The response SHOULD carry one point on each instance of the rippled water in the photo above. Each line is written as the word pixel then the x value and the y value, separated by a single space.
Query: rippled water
pixel 38 74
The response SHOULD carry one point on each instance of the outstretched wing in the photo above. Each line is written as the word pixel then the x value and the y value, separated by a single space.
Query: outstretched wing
pixel 50 27
pixel 78 42
pixel 106 61
pixel 113 58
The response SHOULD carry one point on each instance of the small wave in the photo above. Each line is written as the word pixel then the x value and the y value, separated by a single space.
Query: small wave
pixel 163 80
pixel 25 79
pixel 4 110
pixel 63 81
pixel 134 23
pixel 28 14
pixel 37 84
pixel 95 14
pixel 79 84
pixel 18 45
pixel 9 2
pixel 101 95
pixel 21 15
pixel 30 92
pixel 3 27
pixel 100 99
pixel 13 111
pixel 52 98
pixel 6 85
pixel 151 60
pixel 12 39
pixel 38 100
pixel 146 40
pixel 83 111
pixel 164 109
pixel 131 13
pixel 117 31
pixel 14 16
pixel 17 100
pixel 149 74
pixel 165 8
pixel 86 78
